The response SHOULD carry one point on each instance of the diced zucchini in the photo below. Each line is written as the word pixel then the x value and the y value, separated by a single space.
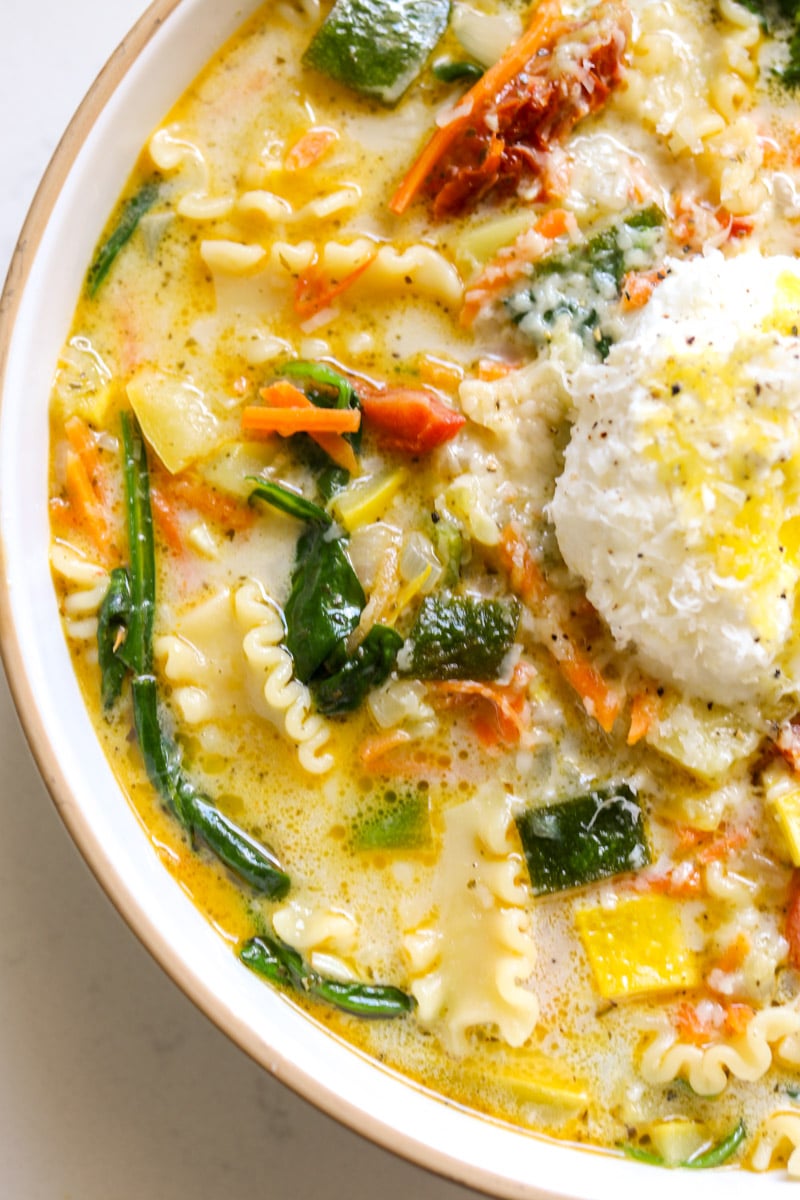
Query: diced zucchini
pixel 462 637
pixel 377 47
pixel 578 841
pixel 366 500
pixel 706 741
pixel 638 947
pixel 401 823
pixel 174 417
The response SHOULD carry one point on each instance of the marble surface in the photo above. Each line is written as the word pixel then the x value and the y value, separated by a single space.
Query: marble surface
pixel 113 1086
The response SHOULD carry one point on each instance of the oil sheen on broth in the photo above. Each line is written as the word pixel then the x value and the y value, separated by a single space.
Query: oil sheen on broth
pixel 468 393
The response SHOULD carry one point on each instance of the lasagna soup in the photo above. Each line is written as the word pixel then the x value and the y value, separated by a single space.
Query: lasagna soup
pixel 425 507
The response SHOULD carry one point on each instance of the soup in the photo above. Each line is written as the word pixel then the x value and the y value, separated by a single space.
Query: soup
pixel 425 504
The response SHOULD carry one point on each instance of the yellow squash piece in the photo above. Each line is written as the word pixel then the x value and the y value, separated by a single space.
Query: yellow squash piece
pixel 367 500
pixel 534 1078
pixel 782 801
pixel 638 947
pixel 787 813
pixel 537 1079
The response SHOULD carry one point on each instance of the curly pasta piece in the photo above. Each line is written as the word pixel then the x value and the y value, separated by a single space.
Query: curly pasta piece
pixel 235 258
pixel 325 935
pixel 171 153
pixel 773 1032
pixel 479 917
pixel 275 209
pixel 287 701
pixel 86 585
pixel 202 662
pixel 779 1131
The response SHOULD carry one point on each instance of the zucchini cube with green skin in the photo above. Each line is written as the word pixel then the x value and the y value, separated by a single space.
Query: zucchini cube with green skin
pixel 377 47
pixel 462 637
pixel 402 823
pixel 578 841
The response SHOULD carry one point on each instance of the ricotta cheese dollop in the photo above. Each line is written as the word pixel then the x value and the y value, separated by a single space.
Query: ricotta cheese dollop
pixel 679 502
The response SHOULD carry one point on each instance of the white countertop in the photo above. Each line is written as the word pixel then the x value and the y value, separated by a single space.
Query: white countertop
pixel 112 1085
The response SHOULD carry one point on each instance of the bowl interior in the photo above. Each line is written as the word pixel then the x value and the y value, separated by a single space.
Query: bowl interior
pixel 148 73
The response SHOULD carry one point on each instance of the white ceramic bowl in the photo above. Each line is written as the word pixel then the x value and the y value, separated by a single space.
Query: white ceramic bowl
pixel 146 75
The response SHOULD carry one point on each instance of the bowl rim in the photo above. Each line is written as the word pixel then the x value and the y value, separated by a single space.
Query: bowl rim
pixel 361 1120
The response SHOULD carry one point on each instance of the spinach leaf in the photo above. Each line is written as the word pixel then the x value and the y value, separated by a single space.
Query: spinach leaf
pixel 279 963
pixel 325 602
pixel 287 501
pixel 132 212
pixel 368 667
pixel 112 630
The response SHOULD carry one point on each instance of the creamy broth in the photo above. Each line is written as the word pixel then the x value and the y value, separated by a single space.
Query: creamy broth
pixel 542 780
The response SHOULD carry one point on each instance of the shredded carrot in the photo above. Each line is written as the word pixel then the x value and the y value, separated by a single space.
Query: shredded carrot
pixel 788 744
pixel 195 494
pixel 509 704
pixel 167 521
pixel 491 369
pixel 638 287
pixel 524 575
pixel 733 955
pixel 87 507
pixel 690 1025
pixel 645 709
pixel 600 699
pixel 440 374
pixel 737 1018
pixel 513 261
pixel 688 837
pixel 706 848
pixel 258 418
pixel 545 20
pixel 553 223
pixel 84 444
pixel 314 291
pixel 791 927
pixel 285 395
pixel 719 848
pixel 682 881
pixel 378 745
pixel 310 148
